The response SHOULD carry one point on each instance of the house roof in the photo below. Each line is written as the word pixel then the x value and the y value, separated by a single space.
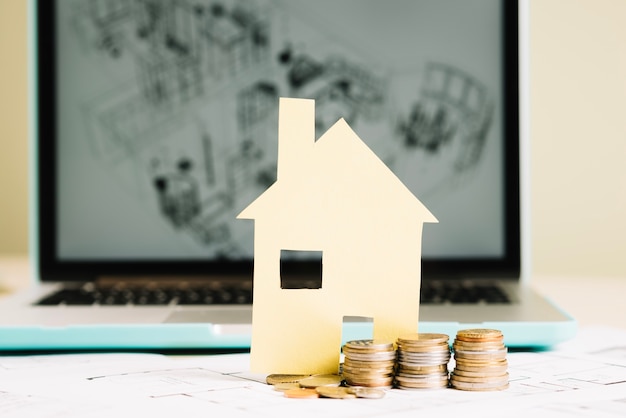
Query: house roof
pixel 338 171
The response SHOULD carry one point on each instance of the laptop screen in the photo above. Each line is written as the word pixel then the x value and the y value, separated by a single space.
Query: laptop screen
pixel 158 123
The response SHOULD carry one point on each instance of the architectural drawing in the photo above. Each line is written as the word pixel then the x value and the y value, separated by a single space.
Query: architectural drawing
pixel 236 38
pixel 567 381
pixel 202 80
pixel 178 195
pixel 453 106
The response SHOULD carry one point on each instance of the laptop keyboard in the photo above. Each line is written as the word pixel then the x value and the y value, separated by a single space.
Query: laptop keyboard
pixel 456 293
pixel 89 294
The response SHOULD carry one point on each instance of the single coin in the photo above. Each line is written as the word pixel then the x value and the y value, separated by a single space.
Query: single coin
pixel 321 380
pixel 422 356
pixel 366 393
pixel 479 374
pixel 468 379
pixel 424 348
pixel 422 363
pixel 375 383
pixel 478 386
pixel 273 379
pixel 479 334
pixel 477 346
pixel 301 393
pixel 389 355
pixel 282 387
pixel 364 378
pixel 425 378
pixel 369 375
pixel 361 370
pixel 424 369
pixel 480 369
pixel 409 355
pixel 488 351
pixel 428 385
pixel 477 357
pixel 334 392
pixel 423 338
pixel 482 362
pixel 348 362
pixel 366 350
pixel 370 344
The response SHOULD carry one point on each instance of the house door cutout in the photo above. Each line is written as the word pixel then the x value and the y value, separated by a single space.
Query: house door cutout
pixel 357 328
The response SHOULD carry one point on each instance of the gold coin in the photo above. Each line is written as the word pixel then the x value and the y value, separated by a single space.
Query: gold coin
pixel 423 339
pixel 423 348
pixel 492 368
pixel 421 378
pixel 301 393
pixel 348 361
pixel 479 334
pixel 457 378
pixel 445 355
pixel 321 380
pixel 481 362
pixel 423 385
pixel 273 379
pixel 365 392
pixel 480 356
pixel 366 351
pixel 486 350
pixel 371 357
pixel 366 377
pixel 370 344
pixel 367 369
pixel 477 346
pixel 482 369
pixel 334 392
pixel 479 386
pixel 479 375
pixel 282 387
pixel 386 372
pixel 348 350
pixel 424 369
pixel 371 382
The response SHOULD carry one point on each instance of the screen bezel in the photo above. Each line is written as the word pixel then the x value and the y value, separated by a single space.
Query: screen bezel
pixel 51 268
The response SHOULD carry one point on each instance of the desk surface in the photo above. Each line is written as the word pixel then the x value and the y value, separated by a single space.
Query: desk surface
pixel 585 377
pixel 591 300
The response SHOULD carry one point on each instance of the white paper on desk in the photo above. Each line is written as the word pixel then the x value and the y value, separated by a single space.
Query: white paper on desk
pixel 578 378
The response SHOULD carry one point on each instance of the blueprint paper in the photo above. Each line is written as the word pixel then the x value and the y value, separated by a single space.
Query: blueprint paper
pixel 585 377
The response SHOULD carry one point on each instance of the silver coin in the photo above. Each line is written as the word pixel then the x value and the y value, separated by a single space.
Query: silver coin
pixel 366 392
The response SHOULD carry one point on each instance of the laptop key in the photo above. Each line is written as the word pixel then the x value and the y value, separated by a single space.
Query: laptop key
pixel 66 297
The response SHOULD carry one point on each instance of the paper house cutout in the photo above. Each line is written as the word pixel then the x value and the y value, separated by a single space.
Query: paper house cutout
pixel 336 196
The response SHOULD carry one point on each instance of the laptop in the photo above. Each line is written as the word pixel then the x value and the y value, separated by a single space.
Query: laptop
pixel 155 124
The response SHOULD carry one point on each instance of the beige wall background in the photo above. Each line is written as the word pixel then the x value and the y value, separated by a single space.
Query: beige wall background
pixel 13 128
pixel 578 135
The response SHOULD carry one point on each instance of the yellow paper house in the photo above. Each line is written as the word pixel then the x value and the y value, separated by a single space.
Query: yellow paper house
pixel 336 196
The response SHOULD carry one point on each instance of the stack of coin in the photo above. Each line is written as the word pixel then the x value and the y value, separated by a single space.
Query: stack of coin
pixel 369 363
pixel 422 361
pixel 481 363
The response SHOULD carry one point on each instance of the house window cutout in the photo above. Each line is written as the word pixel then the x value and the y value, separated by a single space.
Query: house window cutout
pixel 300 269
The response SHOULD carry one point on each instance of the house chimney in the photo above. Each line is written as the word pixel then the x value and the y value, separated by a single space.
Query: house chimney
pixel 296 135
